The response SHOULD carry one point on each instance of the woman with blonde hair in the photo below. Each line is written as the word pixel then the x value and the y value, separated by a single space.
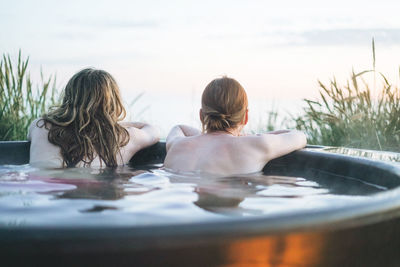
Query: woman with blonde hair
pixel 221 148
pixel 87 129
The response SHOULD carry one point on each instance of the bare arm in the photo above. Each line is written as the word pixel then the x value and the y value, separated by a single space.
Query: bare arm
pixel 180 131
pixel 277 145
pixel 143 134
pixel 128 124
pixel 278 132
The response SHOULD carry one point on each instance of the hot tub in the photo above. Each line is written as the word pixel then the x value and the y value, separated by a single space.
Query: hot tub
pixel 363 233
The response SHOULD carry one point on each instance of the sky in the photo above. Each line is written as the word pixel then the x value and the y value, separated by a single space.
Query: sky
pixel 170 50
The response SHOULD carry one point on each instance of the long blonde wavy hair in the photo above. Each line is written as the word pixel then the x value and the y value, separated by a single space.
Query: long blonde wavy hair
pixel 85 125
pixel 223 105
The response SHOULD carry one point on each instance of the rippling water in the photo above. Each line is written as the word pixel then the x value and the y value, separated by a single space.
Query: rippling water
pixel 127 196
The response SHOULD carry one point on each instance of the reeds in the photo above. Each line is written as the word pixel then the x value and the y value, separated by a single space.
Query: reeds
pixel 21 101
pixel 354 115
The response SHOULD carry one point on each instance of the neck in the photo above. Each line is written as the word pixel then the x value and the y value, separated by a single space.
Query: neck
pixel 234 132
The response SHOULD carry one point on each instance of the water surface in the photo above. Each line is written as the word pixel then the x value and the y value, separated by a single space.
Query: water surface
pixel 132 197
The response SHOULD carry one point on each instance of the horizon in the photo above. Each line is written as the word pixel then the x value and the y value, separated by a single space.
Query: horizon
pixel 170 51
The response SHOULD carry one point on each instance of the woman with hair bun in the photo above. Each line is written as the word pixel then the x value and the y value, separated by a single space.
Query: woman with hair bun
pixel 221 148
pixel 87 129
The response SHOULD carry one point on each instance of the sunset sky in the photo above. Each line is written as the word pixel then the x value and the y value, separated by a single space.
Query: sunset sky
pixel 170 50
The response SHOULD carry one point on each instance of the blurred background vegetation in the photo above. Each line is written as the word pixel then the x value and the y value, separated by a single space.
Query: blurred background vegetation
pixel 352 114
pixel 355 114
pixel 21 101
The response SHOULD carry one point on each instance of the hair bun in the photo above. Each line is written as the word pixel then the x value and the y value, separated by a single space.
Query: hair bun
pixel 223 104
pixel 218 116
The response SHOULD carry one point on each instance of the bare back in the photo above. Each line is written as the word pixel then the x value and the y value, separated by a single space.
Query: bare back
pixel 225 154
pixel 45 154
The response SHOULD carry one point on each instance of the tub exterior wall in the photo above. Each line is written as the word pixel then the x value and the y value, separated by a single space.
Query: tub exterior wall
pixel 371 245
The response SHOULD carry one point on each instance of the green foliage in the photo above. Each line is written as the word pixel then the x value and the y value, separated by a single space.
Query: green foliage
pixel 354 115
pixel 20 101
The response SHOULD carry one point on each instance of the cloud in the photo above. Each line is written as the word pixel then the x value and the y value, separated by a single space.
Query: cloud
pixel 116 23
pixel 94 29
pixel 131 24
pixel 73 35
pixel 337 37
pixel 72 60
pixel 347 37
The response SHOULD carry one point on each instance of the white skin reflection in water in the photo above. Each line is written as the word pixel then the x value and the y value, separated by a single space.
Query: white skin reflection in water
pixel 224 195
pixel 221 148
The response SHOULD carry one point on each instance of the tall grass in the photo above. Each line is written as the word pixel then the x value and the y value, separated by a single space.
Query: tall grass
pixel 20 100
pixel 354 114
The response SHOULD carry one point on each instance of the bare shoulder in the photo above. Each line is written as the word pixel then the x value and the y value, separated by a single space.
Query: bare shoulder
pixel 181 141
pixel 188 144
pixel 176 140
pixel 34 123
pixel 37 127
pixel 258 140
pixel 179 133
pixel 276 145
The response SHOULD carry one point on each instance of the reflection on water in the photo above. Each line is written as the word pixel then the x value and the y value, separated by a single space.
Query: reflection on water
pixel 127 196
